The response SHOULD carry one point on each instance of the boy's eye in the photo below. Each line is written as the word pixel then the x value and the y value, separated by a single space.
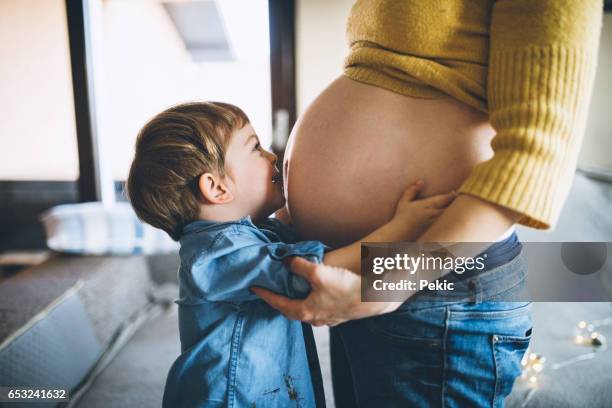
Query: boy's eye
pixel 257 146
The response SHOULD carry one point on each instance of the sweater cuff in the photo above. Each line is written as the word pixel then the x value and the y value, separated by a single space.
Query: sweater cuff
pixel 538 100
pixel 522 182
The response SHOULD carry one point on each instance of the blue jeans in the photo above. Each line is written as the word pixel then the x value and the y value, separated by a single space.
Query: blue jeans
pixel 462 352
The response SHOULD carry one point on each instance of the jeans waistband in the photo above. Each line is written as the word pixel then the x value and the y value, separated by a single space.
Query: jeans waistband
pixel 504 269
pixel 500 253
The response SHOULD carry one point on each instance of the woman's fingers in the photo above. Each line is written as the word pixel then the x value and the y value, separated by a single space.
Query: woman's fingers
pixel 296 309
pixel 305 269
pixel 335 296
pixel 292 308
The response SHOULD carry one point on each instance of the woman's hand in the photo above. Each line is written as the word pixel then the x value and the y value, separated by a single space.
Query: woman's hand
pixel 414 215
pixel 335 297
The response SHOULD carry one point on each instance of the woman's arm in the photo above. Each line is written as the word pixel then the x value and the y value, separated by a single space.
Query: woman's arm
pixel 470 219
pixel 335 296
pixel 336 292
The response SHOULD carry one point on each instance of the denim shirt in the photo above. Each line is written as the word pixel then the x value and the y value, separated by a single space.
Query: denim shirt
pixel 237 351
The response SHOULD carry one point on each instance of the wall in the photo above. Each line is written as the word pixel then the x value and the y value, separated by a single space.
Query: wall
pixel 597 148
pixel 37 131
pixel 320 46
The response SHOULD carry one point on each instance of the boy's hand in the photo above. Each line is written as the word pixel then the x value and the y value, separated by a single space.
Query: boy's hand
pixel 416 215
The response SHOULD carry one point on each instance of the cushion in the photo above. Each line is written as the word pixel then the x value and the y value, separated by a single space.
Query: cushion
pixel 97 229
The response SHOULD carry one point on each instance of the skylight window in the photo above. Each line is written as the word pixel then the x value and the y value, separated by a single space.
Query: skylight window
pixel 201 28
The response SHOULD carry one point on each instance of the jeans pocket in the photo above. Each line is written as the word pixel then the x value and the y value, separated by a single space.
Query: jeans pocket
pixel 404 358
pixel 391 334
pixel 490 340
pixel 416 328
pixel 508 351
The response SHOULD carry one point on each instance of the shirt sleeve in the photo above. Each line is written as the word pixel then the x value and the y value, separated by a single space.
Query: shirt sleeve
pixel 237 261
pixel 542 60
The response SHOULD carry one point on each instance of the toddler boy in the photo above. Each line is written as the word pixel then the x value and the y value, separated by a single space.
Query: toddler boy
pixel 201 174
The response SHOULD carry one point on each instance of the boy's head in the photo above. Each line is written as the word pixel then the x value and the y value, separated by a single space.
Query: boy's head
pixel 201 160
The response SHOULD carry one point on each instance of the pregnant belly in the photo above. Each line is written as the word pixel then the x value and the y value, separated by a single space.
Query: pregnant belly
pixel 357 147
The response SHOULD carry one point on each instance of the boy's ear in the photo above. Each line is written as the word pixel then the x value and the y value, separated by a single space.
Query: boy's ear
pixel 214 190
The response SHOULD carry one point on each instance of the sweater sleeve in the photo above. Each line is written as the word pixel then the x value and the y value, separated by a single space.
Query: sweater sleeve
pixel 542 60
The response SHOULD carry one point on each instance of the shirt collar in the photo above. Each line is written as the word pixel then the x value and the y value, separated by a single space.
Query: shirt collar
pixel 204 225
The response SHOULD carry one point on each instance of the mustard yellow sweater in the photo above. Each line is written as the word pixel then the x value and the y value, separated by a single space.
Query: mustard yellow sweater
pixel 529 63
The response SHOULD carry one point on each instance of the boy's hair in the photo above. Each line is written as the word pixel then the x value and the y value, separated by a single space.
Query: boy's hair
pixel 172 150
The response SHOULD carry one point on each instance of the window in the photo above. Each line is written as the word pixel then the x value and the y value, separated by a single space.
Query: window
pixel 153 54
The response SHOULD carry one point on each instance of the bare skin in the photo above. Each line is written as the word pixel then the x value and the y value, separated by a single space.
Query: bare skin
pixel 357 147
pixel 350 156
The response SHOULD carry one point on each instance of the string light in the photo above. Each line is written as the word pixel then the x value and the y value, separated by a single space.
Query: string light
pixel 532 365
pixel 585 334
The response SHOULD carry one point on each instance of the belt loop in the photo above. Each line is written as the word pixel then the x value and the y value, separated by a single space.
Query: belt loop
pixel 475 295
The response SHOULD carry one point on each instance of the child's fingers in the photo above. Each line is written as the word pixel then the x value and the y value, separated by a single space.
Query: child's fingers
pixel 412 191
pixel 440 200
pixel 434 213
